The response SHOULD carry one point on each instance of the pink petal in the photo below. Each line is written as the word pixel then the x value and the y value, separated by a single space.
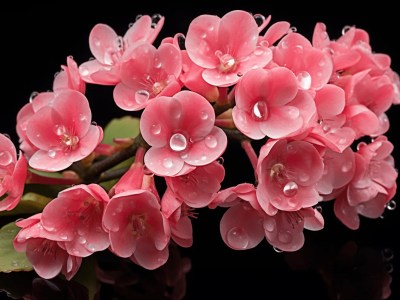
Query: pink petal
pixel 102 37
pixel 374 208
pixel 330 101
pixel 320 36
pixel 182 233
pixel 345 213
pixel 362 120
pixel 315 222
pixel 281 122
pixel 241 227
pixel 49 161
pixel 247 124
pixel 147 256
pixel 93 71
pixel 124 97
pixel 139 31
pixel 276 31
pixel 215 77
pixel 236 27
pixel 202 40
pixel 170 203
pixel 163 162
pixel 123 243
pixel 208 149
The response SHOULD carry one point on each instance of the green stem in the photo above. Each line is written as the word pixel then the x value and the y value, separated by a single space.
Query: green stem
pixel 234 134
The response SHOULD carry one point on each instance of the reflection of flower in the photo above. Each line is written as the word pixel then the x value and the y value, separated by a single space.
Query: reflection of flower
pixel 349 272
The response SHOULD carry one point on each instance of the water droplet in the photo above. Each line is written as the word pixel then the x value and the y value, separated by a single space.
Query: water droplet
pixel 324 35
pixel 91 247
pixel 293 29
pixel 211 141
pixel 346 167
pixel 204 35
pixel 326 128
pixel 114 227
pixel 342 141
pixel 259 18
pixel 82 117
pixel 175 109
pixel 138 17
pixel 391 205
pixel 304 80
pixel 81 240
pixel 156 129
pixel 277 250
pixel 292 202
pixel 290 189
pixel 291 148
pixel 15 263
pixel 119 42
pixel 5 158
pixel 321 63
pixel 178 142
pixel 168 163
pixel 259 51
pixel 155 19
pixel 220 160
pixel 284 45
pixel 157 64
pixel 51 153
pixel 141 96
pixel 269 224
pixel 239 74
pixel 319 208
pixel 292 112
pixel 345 29
pixel 237 238
pixel 59 129
pixel 304 177
pixel 180 37
pixel 184 155
pixel 64 236
pixel 387 254
pixel 33 96
pixel 298 49
pixel 204 115
pixel 389 268
pixel 260 111
pixel 285 237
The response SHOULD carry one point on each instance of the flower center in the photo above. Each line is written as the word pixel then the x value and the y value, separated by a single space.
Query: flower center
pixel 138 224
pixel 227 62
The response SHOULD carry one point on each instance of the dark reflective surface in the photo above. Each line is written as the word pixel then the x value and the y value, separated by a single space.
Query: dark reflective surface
pixel 335 263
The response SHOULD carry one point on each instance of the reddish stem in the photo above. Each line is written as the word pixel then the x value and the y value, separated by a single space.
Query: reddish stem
pixel 251 154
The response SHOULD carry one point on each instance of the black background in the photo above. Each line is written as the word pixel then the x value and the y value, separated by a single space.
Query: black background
pixel 35 42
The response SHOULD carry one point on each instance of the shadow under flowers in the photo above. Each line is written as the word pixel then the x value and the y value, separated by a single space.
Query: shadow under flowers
pixel 322 269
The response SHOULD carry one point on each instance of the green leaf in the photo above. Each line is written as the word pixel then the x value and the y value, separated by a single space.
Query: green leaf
pixel 11 260
pixel 125 127
pixel 30 203
pixel 46 174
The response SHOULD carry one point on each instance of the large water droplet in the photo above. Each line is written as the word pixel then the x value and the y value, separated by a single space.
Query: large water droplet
pixel 141 96
pixel 33 96
pixel 292 112
pixel 285 237
pixel 290 189
pixel 346 167
pixel 260 19
pixel 237 238
pixel 156 129
pixel 5 158
pixel 168 163
pixel 211 141
pixel 260 110
pixel 178 142
pixel 304 80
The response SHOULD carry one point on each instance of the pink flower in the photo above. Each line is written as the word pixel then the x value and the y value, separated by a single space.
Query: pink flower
pixel 13 172
pixel 197 187
pixel 75 218
pixel 69 78
pixel 288 173
pixel 137 228
pixel 62 133
pixel 108 48
pixel 284 230
pixel 373 184
pixel 269 103
pixel 147 73
pixel 47 257
pixel 226 48
pixel 312 66
pixel 180 137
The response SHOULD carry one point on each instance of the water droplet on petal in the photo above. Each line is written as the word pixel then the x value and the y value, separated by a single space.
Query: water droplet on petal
pixel 204 35
pixel 178 142
pixel 269 224
pixel 319 208
pixel 91 247
pixel 259 51
pixel 293 29
pixel 277 250
pixel 391 205
pixel 304 177
pixel 168 163
pixel 285 237
pixel 324 35
pixel 138 17
pixel 33 96
pixel 211 141
pixel 237 238
pixel 387 254
pixel 345 29
pixel 63 236
pixel 298 49
pixel 59 129
pixel 180 37
pixel 346 167
pixel 82 117
pixel 156 129
pixel 175 109
pixel 81 240
pixel 321 63
pixel 292 112
pixel 141 96
pixel 51 153
pixel 304 80
pixel 260 111
pixel 220 160
pixel 204 115
pixel 114 227
pixel 259 18
pixel 5 159
pixel 157 64
pixel 239 74
pixel 290 189
pixel 284 45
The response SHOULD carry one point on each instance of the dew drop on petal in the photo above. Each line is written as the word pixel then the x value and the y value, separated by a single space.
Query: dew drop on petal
pixel 203 115
pixel 82 117
pixel 304 80
pixel 237 238
pixel 51 153
pixel 284 45
pixel 259 18
pixel 298 49
pixel 304 177
pixel 220 160
pixel 319 209
pixel 211 142
pixel 292 112
pixel 269 224
pixel 141 96
pixel 387 254
pixel 156 129
pixel 33 96
pixel 239 74
pixel 391 205
pixel 346 167
pixel 63 236
pixel 259 51
pixel 91 247
pixel 321 63
pixel 178 142
pixel 175 109
pixel 81 240
pixel 293 29
pixel 167 163
pixel 5 158
pixel 114 227
pixel 277 250
pixel 181 40
pixel 204 35
pixel 290 189
pixel 59 129
pixel 345 29
pixel 260 111
pixel 285 237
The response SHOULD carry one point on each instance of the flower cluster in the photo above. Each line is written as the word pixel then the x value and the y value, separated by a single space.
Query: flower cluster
pixel 236 78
